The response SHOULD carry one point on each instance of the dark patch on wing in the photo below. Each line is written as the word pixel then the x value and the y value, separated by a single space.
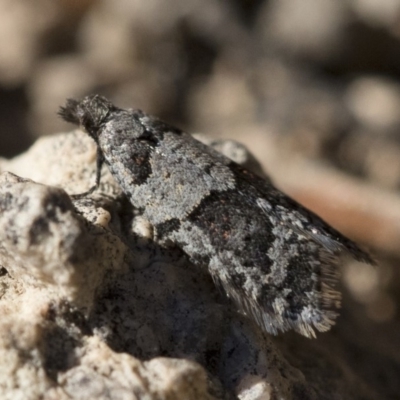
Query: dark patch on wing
pixel 165 228
pixel 230 222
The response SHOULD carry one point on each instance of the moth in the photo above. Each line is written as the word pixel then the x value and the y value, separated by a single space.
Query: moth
pixel 274 258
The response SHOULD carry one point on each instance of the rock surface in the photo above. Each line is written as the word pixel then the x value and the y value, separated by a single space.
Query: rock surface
pixel 92 308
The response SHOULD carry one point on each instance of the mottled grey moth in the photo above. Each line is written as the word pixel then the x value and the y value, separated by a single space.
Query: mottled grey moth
pixel 274 258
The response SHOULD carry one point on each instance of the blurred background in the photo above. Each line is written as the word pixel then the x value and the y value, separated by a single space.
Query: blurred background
pixel 311 87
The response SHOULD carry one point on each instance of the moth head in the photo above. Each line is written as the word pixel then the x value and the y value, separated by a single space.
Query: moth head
pixel 90 112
